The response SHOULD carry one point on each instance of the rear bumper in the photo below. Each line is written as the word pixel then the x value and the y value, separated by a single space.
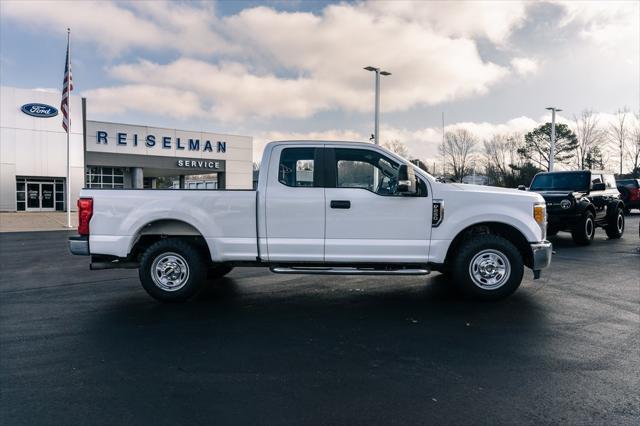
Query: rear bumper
pixel 79 245
pixel 541 256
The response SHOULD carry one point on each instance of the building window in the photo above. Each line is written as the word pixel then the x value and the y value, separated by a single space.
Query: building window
pixel 104 177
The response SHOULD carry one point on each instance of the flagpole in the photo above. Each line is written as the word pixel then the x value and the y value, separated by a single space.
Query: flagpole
pixel 68 131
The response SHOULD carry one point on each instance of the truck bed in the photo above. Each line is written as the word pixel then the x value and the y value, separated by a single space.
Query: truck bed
pixel 225 218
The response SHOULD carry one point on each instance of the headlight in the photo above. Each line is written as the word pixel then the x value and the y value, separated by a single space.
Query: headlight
pixel 540 216
pixel 565 204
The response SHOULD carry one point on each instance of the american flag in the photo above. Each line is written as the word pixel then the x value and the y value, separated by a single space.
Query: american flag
pixel 67 87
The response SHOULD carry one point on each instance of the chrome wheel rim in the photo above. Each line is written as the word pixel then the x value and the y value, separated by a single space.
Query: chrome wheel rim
pixel 620 222
pixel 490 269
pixel 588 227
pixel 170 271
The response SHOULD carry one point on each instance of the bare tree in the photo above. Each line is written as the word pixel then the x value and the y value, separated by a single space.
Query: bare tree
pixel 397 147
pixel 590 136
pixel 500 155
pixel 619 132
pixel 456 150
pixel 633 147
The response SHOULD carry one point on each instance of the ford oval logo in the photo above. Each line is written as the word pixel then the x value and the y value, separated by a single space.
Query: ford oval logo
pixel 39 110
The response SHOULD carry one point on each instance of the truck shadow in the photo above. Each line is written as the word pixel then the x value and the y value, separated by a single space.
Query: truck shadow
pixel 346 304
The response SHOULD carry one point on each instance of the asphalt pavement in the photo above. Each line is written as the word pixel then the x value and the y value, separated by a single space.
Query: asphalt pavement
pixel 82 347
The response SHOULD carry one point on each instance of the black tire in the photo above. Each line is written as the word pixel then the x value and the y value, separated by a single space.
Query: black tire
pixel 466 271
pixel 615 224
pixel 584 229
pixel 217 272
pixel 172 270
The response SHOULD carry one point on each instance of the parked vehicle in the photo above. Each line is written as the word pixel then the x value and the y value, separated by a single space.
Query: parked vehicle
pixel 579 202
pixel 319 208
pixel 630 193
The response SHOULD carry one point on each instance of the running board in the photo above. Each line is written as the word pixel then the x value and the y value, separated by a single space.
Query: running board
pixel 320 270
pixel 99 266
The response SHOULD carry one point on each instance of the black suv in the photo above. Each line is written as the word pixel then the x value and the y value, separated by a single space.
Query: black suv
pixel 579 202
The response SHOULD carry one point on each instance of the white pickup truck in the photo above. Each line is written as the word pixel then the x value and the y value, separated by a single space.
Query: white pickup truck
pixel 319 208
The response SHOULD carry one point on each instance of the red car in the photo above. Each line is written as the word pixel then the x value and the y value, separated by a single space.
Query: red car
pixel 630 193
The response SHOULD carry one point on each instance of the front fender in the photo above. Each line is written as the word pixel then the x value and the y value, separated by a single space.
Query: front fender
pixel 457 219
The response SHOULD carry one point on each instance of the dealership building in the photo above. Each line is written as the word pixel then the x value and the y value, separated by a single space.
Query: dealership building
pixel 33 154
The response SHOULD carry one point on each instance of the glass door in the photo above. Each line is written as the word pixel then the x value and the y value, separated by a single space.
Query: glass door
pixel 33 196
pixel 40 196
pixel 47 201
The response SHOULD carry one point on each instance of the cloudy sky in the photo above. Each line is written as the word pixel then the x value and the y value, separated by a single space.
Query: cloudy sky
pixel 293 69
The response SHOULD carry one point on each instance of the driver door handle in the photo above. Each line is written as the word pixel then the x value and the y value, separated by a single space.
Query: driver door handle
pixel 340 204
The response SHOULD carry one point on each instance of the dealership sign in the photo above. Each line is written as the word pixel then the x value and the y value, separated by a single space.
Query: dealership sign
pixel 199 164
pixel 166 142
pixel 39 110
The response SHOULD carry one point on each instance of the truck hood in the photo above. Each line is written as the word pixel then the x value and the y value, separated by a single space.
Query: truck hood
pixel 555 194
pixel 482 190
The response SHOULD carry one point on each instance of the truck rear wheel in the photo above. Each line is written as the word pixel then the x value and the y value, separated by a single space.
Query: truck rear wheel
pixel 487 267
pixel 172 270
pixel 584 229
pixel 615 224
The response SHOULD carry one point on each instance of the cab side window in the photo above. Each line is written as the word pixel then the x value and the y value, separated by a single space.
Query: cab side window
pixel 361 168
pixel 297 167
pixel 370 170
pixel 610 181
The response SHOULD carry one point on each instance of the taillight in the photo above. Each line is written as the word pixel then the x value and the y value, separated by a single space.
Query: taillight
pixel 635 194
pixel 85 211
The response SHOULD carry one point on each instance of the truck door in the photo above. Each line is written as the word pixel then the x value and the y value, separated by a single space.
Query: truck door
pixel 294 204
pixel 366 219
pixel 598 198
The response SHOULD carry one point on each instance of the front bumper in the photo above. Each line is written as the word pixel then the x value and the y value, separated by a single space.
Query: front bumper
pixel 563 221
pixel 79 246
pixel 541 256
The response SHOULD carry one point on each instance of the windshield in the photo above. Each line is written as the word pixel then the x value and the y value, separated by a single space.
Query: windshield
pixel 578 181
pixel 629 183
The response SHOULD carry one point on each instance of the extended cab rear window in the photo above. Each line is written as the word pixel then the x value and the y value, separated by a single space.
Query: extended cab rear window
pixel 298 167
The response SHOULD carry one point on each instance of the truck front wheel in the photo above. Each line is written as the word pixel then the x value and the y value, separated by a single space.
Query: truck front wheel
pixel 487 267
pixel 584 229
pixel 172 270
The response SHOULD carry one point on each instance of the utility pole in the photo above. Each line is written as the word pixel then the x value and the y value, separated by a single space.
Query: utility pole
pixel 378 72
pixel 443 145
pixel 552 148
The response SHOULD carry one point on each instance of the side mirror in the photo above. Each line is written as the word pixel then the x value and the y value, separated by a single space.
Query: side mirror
pixel 598 186
pixel 522 187
pixel 406 180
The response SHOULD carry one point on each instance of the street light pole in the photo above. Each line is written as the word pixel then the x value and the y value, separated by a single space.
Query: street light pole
pixel 552 148
pixel 376 134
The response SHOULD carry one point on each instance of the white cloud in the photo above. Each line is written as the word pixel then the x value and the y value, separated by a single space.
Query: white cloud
pixel 47 89
pixel 263 63
pixel 162 101
pixel 524 66
pixel 608 24
pixel 422 143
pixel 297 64
pixel 118 27
pixel 494 20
